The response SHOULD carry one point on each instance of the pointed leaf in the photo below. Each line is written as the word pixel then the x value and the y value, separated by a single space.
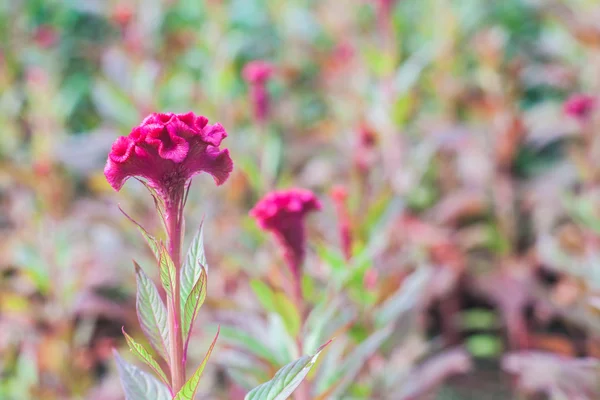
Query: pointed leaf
pixel 241 339
pixel 143 354
pixel 192 306
pixel 348 370
pixel 152 313
pixel 195 263
pixel 405 298
pixel 188 391
pixel 139 385
pixel 167 271
pixel 151 240
pixel 264 294
pixel 286 380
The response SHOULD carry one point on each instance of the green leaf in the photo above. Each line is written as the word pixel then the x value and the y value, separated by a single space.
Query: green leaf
pixel 188 391
pixel 167 271
pixel 143 354
pixel 405 298
pixel 192 306
pixel 139 385
pixel 484 346
pixel 152 313
pixel 347 371
pixel 264 294
pixel 151 240
pixel 244 340
pixel 288 311
pixel 286 380
pixel 193 266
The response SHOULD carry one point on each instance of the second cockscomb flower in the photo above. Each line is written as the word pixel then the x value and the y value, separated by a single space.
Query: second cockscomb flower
pixel 282 213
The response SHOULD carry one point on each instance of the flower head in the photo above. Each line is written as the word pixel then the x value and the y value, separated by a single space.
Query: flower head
pixel 580 106
pixel 282 213
pixel 257 72
pixel 167 150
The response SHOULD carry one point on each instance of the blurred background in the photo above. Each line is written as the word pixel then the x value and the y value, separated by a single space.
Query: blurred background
pixel 454 144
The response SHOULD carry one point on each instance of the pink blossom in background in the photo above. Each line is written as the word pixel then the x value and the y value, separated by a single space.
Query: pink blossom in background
pixel 365 148
pixel 339 194
pixel 282 213
pixel 167 150
pixel 385 6
pixel 122 14
pixel 370 279
pixel 580 106
pixel 257 74
pixel 46 36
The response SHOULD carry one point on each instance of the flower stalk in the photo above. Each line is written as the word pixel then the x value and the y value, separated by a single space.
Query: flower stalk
pixel 173 217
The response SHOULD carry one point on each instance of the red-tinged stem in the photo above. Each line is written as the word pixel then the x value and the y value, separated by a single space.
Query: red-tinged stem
pixel 174 221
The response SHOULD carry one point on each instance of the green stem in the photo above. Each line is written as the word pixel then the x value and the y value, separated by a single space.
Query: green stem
pixel 174 222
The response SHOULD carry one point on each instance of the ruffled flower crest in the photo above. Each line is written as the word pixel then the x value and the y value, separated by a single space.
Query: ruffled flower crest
pixel 167 150
pixel 282 213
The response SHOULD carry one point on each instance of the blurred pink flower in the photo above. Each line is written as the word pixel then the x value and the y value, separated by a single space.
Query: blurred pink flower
pixel 45 36
pixel 364 155
pixel 370 279
pixel 386 5
pixel 580 106
pixel 257 73
pixel 339 194
pixel 122 14
pixel 167 150
pixel 282 213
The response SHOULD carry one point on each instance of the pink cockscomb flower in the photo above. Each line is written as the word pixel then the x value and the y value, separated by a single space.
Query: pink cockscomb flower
pixel 167 150
pixel 257 74
pixel 282 213
pixel 580 106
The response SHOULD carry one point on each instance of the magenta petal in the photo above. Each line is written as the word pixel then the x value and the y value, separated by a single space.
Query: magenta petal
pixel 282 213
pixel 169 145
pixel 167 150
pixel 121 149
pixel 216 162
pixel 214 134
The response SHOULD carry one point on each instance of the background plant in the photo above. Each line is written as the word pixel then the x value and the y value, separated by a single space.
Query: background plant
pixel 442 120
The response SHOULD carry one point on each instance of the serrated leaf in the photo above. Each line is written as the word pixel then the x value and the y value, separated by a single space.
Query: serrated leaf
pixel 195 263
pixel 151 240
pixel 286 380
pixel 188 391
pixel 139 385
pixel 152 313
pixel 192 306
pixel 167 271
pixel 143 355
